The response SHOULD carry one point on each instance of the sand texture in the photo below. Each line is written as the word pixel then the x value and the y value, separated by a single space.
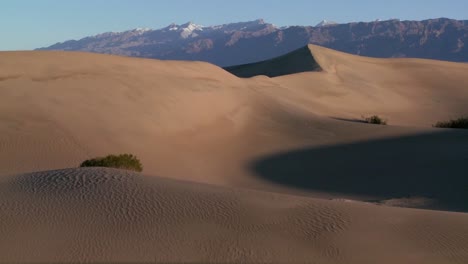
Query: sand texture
pixel 110 215
pixel 235 170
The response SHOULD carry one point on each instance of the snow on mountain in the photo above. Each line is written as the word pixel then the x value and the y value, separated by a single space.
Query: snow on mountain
pixel 250 41
pixel 324 23
pixel 142 30
pixel 188 30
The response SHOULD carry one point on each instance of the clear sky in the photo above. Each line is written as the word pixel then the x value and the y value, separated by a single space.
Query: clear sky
pixel 29 24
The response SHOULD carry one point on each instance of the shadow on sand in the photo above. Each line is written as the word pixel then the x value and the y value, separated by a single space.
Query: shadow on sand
pixel 355 120
pixel 432 165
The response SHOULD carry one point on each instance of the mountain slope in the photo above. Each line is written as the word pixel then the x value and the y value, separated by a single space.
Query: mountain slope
pixel 248 42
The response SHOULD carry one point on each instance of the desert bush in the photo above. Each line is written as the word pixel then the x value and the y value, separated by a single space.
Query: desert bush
pixel 122 161
pixel 461 122
pixel 375 119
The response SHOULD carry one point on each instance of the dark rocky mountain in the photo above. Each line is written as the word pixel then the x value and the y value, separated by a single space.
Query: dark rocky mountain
pixel 246 42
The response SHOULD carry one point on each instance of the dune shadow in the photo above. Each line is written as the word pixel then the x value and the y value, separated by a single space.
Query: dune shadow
pixel 433 165
pixel 355 120
pixel 297 61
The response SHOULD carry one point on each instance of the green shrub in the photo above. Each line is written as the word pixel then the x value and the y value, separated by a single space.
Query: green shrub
pixel 375 120
pixel 454 123
pixel 122 161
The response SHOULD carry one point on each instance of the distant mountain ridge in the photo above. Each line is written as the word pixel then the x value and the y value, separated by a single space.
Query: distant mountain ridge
pixel 252 41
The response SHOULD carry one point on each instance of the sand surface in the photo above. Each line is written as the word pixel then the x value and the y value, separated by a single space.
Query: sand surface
pixel 235 165
pixel 109 215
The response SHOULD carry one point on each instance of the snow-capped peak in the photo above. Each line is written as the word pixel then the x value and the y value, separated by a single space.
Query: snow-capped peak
pixel 172 27
pixel 141 30
pixel 188 30
pixel 191 26
pixel 324 23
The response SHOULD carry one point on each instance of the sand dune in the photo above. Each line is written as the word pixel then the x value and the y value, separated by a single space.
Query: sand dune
pixel 293 136
pixel 195 121
pixel 109 215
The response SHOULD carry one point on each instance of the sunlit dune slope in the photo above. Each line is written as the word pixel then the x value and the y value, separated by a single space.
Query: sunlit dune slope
pixel 410 92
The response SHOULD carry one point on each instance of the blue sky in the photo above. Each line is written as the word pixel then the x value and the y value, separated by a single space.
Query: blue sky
pixel 29 24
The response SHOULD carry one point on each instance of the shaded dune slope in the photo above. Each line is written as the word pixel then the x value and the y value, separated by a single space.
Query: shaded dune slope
pixel 100 214
pixel 297 61
pixel 430 166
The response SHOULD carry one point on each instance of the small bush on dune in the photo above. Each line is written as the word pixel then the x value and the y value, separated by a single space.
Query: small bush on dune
pixel 122 161
pixel 375 119
pixel 454 123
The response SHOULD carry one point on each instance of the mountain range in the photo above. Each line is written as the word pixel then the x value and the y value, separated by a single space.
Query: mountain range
pixel 247 42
